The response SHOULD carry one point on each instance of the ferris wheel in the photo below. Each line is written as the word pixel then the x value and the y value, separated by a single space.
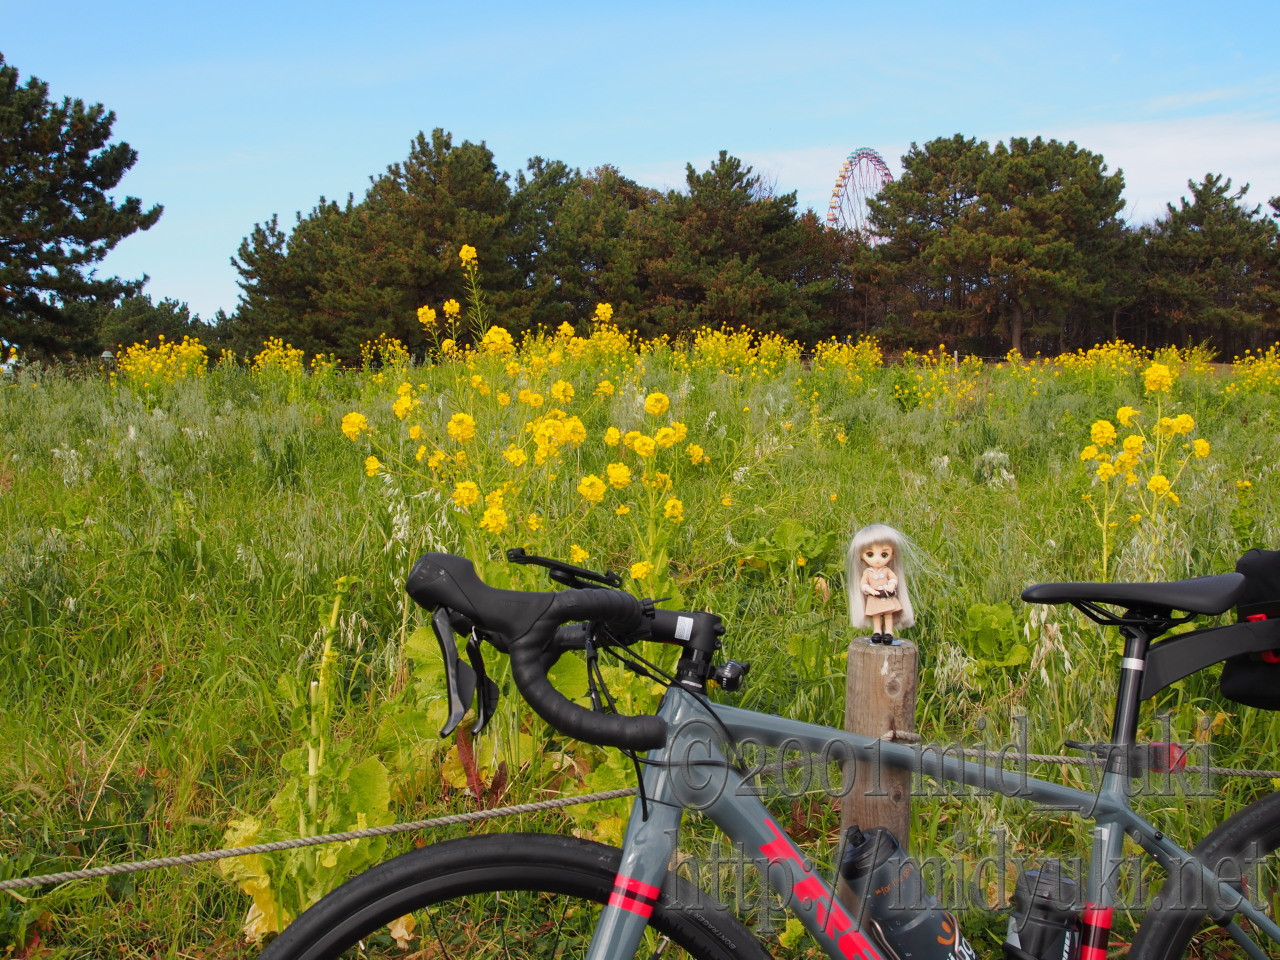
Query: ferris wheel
pixel 861 176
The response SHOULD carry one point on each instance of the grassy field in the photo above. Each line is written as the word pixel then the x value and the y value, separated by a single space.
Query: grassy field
pixel 201 583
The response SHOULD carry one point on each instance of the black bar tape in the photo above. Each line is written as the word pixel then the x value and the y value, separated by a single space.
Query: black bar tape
pixel 622 614
pixel 602 729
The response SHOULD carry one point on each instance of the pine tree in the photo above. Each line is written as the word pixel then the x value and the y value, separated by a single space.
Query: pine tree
pixel 1213 267
pixel 56 219
pixel 727 252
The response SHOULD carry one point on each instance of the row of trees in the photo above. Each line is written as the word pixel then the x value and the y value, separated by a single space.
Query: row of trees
pixel 1022 245
pixel 552 244
pixel 1018 245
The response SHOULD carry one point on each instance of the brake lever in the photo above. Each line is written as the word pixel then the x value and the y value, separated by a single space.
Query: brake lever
pixel 486 689
pixel 459 679
pixel 566 573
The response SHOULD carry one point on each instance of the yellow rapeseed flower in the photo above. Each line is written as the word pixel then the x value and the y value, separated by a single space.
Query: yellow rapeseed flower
pixel 1133 444
pixel 515 456
pixel 534 522
pixel 696 454
pixel 1089 453
pixel 605 388
pixel 604 312
pixel 504 399
pixel 1103 433
pixel 622 510
pixel 1125 415
pixel 354 424
pixel 462 427
pixel 665 437
pixel 562 391
pixel 612 437
pixel 1158 378
pixel 467 254
pixel 495 519
pixel 658 480
pixel 497 342
pixel 452 308
pixel 577 554
pixel 466 494
pixel 416 432
pixel 1243 484
pixel 427 317
pixel 592 488
pixel 1105 471
pixel 656 404
pixel 619 475
pixel 1183 423
pixel 641 570
pixel 1201 447
pixel 404 403
pixel 644 446
pixel 673 510
pixel 421 452
pixel 1159 485
pixel 372 465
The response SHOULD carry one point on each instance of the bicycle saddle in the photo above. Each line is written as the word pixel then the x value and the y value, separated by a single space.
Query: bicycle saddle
pixel 1210 595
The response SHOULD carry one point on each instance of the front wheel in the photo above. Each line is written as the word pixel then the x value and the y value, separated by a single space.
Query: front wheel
pixel 507 895
pixel 1184 920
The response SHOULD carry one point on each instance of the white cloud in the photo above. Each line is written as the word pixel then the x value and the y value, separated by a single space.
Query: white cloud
pixel 1158 157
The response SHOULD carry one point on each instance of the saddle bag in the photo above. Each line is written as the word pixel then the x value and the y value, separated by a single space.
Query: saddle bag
pixel 1254 678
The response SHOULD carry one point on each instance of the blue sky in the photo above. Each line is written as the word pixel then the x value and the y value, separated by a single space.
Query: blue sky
pixel 240 110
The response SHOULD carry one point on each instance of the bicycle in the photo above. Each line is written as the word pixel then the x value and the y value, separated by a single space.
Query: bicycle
pixel 548 895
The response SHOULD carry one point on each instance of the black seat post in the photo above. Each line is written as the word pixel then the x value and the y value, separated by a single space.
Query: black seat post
pixel 1124 725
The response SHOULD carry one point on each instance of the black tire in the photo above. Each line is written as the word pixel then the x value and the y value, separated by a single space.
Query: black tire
pixel 514 895
pixel 1179 922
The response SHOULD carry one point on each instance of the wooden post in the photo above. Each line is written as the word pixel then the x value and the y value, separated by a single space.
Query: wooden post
pixel 880 699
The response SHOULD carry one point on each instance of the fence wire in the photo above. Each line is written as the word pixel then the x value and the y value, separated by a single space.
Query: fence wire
pixel 477 816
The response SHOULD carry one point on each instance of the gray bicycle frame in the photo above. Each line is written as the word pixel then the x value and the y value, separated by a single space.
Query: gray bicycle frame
pixel 692 772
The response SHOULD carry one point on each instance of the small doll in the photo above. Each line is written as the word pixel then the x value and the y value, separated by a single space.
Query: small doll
pixel 877 583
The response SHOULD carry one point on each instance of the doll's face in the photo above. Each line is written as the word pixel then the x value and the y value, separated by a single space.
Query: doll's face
pixel 877 555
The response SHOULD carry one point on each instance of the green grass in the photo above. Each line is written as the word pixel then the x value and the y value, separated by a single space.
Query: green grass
pixel 158 582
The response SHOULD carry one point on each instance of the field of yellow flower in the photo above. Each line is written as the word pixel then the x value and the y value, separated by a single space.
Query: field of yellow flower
pixel 174 532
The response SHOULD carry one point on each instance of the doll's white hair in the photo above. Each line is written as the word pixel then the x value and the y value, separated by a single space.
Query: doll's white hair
pixel 866 537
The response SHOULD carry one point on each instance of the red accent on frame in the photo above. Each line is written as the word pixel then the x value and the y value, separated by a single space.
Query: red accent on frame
pixel 1271 656
pixel 631 904
pixel 630 885
pixel 812 892
pixel 1256 617
pixel 1096 923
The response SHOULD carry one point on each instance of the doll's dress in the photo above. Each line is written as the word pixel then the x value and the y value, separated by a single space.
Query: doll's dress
pixel 874 606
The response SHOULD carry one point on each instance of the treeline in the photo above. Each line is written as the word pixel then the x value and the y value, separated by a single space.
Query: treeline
pixel 1021 245
pixel 552 243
